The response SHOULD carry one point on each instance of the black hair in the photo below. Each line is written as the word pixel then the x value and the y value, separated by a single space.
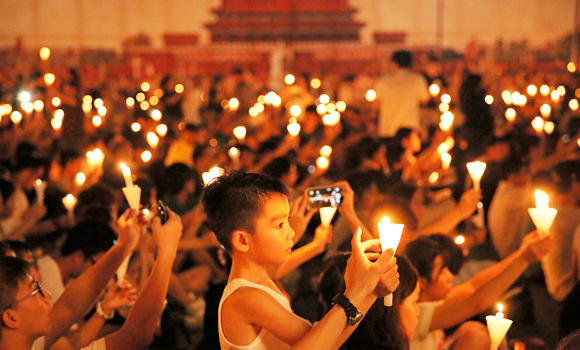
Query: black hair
pixel 571 342
pixel 394 153
pixel 191 127
pixel 6 189
pixel 91 237
pixel 199 150
pixel 19 248
pixel 278 167
pixel 12 272
pixel 403 58
pixel 451 252
pixel 361 181
pixel 176 176
pixel 381 328
pixel 422 253
pixel 234 202
pixel 96 196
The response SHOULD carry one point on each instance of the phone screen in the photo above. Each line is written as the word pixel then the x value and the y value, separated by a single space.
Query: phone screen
pixel 319 197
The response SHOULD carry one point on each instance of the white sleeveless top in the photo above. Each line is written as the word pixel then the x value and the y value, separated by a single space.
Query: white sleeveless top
pixel 265 340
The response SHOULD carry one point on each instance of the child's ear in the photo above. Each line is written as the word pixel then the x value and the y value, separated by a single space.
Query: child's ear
pixel 10 319
pixel 240 241
pixel 423 283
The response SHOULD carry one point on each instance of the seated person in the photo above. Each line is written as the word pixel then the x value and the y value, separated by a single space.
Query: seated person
pixel 443 306
pixel 383 327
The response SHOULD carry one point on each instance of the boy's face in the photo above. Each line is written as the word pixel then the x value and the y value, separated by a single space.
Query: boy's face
pixel 441 282
pixel 30 309
pixel 271 243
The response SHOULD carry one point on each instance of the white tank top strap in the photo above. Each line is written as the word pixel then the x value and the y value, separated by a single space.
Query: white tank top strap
pixel 263 340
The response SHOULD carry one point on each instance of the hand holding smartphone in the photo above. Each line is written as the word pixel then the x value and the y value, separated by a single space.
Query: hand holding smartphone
pixel 324 196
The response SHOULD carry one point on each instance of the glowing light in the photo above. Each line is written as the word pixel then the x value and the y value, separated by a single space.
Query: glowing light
pixel 212 174
pixel 253 111
pixel 446 98
pixel 135 127
pixel 434 90
pixel 49 79
pixel 443 107
pixel 324 98
pixel 145 86
pixel 27 107
pixel 154 100
pixel 330 107
pixel 240 133
pixel 532 90
pixel 371 95
pixel 161 129
pixel 446 121
pixel 446 145
pixel 321 109
pixel 44 53
pixel 488 99
pixel 69 201
pixel 98 103
pixel 561 90
pixel 102 111
pixel 130 102
pixel 315 83
pixel 87 107
pixel 126 171
pixel 341 106
pixel 322 163
pixel 289 79
pixel 515 97
pixel 80 178
pixel 146 156
pixel 544 90
pixel 510 114
pixel 179 88
pixel 96 157
pixel 573 104
pixel 144 105
pixel 16 117
pixel 156 115
pixel 326 151
pixel 56 123
pixel 571 67
pixel 140 97
pixel 542 215
pixel 293 128
pixel 234 153
pixel 506 97
pixel 555 95
pixel 549 127
pixel 476 170
pixel 234 103
pixel 56 101
pixel 459 239
pixel 295 111
pixel 97 121
pixel 152 139
pixel 545 110
pixel 538 124
pixel 38 105
pixel 445 160
pixel 433 177
pixel 59 114
pixel 331 119
pixel 24 96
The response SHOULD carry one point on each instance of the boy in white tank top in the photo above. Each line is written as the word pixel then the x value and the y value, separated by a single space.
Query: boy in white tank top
pixel 249 215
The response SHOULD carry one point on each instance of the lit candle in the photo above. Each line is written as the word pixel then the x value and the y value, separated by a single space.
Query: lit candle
pixel 542 215
pixel 331 119
pixel 446 121
pixel 211 174
pixel 95 158
pixel 326 215
pixel 80 178
pixel 322 163
pixel 240 133
pixel 445 160
pixel 434 89
pixel 234 154
pixel 126 174
pixel 390 236
pixel 538 124
pixel 39 187
pixel 326 151
pixel 476 170
pixel 293 128
pixel 69 201
pixel 497 326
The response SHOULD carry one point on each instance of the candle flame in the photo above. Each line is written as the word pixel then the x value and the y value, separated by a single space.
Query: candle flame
pixel 385 220
pixel 500 307
pixel 125 169
pixel 542 199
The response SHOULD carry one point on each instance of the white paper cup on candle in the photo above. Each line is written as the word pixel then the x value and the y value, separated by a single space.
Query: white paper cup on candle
pixel 390 236
pixel 497 326
pixel 133 196
pixel 326 215
pixel 542 215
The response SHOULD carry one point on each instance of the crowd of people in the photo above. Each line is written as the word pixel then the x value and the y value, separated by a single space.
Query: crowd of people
pixel 244 260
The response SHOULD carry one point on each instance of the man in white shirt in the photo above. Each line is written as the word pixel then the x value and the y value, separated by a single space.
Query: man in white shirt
pixel 400 93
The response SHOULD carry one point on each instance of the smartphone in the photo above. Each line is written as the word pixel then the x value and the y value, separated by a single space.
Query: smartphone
pixel 161 211
pixel 319 197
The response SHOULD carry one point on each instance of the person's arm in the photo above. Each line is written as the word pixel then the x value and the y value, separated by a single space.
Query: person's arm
pixel 481 291
pixel 347 210
pixel 138 330
pixel 306 252
pixel 300 216
pixel 82 293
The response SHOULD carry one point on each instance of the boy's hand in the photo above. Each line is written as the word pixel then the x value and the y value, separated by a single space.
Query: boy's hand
pixel 323 235
pixel 299 215
pixel 128 229
pixel 534 246
pixel 347 205
pixel 468 202
pixel 167 236
pixel 119 296
pixel 362 276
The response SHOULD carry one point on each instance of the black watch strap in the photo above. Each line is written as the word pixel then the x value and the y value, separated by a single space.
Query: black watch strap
pixel 352 313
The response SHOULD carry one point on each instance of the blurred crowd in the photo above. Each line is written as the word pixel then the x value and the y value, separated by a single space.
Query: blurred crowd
pixel 397 145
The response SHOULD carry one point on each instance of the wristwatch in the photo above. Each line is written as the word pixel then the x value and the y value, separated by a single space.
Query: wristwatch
pixel 352 313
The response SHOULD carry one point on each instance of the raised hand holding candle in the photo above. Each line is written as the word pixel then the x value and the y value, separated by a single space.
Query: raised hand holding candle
pixel 131 191
pixel 39 187
pixel 326 215
pixel 390 236
pixel 497 326
pixel 476 170
pixel 542 215
pixel 445 160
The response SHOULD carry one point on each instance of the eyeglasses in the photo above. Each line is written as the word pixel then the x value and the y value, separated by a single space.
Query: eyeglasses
pixel 37 290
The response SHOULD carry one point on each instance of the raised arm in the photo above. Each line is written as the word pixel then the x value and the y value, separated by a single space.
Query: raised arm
pixel 481 291
pixel 138 330
pixel 349 213
pixel 82 293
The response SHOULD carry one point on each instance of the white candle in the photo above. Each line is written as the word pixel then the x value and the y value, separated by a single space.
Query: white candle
pixel 326 215
pixel 322 163
pixel 69 201
pixel 542 215
pixel 240 133
pixel 476 170
pixel 39 187
pixel 293 128
pixel 390 236
pixel 445 160
pixel 497 326
pixel 126 174
pixel 234 154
